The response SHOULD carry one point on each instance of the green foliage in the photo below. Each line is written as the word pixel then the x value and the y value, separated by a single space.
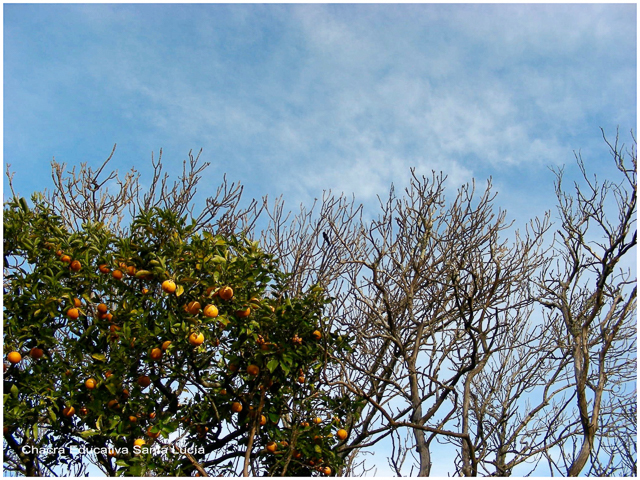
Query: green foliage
pixel 193 387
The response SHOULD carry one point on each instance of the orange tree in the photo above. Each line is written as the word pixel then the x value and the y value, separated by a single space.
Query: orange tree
pixel 165 351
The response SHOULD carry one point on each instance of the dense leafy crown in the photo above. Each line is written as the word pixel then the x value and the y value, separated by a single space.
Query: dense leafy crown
pixel 97 307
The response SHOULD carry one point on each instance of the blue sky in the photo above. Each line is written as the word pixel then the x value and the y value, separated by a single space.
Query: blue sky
pixel 296 99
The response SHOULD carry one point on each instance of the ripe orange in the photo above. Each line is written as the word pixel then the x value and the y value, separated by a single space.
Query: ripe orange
pixel 166 344
pixel 138 442
pixel 301 379
pixel 317 420
pixel 73 313
pixel 83 411
pixel 90 383
pixel 114 328
pixel 297 455
pixel 131 270
pixel 263 420
pixel 152 415
pixel 104 268
pixel 133 418
pixel 226 293
pixel 317 335
pixel 112 453
pixel 68 412
pixel 243 313
pixel 107 374
pixel 326 470
pixel 117 274
pixel 169 286
pixel 77 302
pixel 253 370
pixel 144 381
pixel 36 353
pixel 65 258
pixel 210 311
pixel 145 291
pixel 75 266
pixel 14 357
pixel 112 403
pixel 236 407
pixel 102 308
pixel 192 307
pixel 342 434
pixel 271 447
pixel 196 339
pixel 59 253
pixel 156 354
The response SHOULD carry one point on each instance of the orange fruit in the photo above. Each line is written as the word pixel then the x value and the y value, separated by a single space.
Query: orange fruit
pixel 36 353
pixel 253 370
pixel 169 286
pixel 59 253
pixel 112 453
pixel 326 470
pixel 210 311
pixel 133 418
pixel 243 313
pixel 90 383
pixel 68 412
pixel 342 434
pixel 152 415
pixel 226 293
pixel 114 328
pixel 104 268
pixel 73 313
pixel 271 447
pixel 196 339
pixel 107 374
pixel 83 411
pixel 131 270
pixel 138 442
pixel 156 354
pixel 112 403
pixel 117 274
pixel 236 407
pixel 297 455
pixel 151 434
pixel 263 420
pixel 166 344
pixel 102 308
pixel 14 357
pixel 144 381
pixel 317 335
pixel 193 307
pixel 75 266
pixel 301 379
pixel 77 302
pixel 317 420
pixel 145 291
pixel 65 258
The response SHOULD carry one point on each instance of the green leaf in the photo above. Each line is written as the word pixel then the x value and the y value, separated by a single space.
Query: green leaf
pixel 99 356
pixel 273 364
pixel 14 391
pixel 318 449
pixel 89 433
pixel 179 290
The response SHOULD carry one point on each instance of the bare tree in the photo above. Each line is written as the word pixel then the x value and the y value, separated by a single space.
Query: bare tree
pixel 428 303
pixel 591 295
